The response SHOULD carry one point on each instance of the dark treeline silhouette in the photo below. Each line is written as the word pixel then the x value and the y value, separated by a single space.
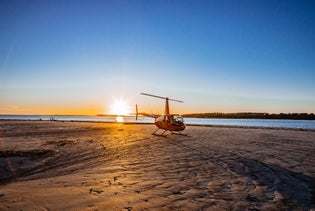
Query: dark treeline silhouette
pixel 248 115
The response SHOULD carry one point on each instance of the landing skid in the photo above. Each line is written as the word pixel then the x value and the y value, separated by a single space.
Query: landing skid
pixel 179 133
pixel 173 132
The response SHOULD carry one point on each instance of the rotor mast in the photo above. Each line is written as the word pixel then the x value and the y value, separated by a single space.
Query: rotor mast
pixel 167 107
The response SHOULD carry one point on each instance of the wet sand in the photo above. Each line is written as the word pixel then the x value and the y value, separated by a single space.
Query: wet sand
pixel 52 165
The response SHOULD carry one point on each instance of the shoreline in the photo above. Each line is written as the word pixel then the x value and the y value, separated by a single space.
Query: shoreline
pixel 101 166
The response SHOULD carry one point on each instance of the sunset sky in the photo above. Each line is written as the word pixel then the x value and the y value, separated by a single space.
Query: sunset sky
pixel 80 57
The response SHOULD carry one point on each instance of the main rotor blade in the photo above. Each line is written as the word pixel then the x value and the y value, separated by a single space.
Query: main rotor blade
pixel 161 97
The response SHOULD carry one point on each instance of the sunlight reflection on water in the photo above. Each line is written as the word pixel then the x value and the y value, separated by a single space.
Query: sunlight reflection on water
pixel 119 119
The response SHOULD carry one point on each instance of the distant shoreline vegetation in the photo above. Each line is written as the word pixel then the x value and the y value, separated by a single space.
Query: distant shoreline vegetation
pixel 249 115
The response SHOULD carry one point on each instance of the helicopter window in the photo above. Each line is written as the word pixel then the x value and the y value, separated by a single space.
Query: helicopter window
pixel 180 119
pixel 177 120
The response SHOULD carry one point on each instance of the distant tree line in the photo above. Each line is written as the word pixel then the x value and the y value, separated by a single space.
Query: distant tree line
pixel 249 115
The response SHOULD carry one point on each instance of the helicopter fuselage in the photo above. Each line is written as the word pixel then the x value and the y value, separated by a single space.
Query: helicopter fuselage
pixel 171 122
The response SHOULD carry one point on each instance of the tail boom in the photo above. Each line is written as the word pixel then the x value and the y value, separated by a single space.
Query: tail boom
pixel 145 114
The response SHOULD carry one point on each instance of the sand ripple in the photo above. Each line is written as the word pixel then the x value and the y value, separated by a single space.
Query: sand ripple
pixel 123 167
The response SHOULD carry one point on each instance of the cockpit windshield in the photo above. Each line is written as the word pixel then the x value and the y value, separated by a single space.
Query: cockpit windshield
pixel 177 119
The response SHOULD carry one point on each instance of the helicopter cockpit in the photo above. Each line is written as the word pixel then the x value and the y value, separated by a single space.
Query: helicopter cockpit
pixel 177 119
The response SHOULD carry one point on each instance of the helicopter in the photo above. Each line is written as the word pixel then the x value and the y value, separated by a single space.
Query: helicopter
pixel 167 122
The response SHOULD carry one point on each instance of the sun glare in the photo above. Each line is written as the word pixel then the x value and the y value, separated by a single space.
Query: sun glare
pixel 119 119
pixel 119 107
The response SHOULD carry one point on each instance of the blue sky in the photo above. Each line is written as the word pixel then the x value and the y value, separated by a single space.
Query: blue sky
pixel 217 56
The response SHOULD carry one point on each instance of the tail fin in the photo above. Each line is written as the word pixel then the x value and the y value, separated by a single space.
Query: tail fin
pixel 136 112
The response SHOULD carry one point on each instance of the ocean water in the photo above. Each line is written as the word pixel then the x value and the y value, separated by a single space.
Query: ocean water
pixel 278 123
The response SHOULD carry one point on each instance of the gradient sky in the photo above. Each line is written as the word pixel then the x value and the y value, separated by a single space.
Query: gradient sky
pixel 78 57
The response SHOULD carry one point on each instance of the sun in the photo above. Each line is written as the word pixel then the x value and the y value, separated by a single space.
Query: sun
pixel 119 107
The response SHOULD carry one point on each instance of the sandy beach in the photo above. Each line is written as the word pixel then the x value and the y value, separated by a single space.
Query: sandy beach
pixel 53 165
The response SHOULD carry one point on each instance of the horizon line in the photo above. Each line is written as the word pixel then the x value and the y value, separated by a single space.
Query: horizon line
pixel 192 113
